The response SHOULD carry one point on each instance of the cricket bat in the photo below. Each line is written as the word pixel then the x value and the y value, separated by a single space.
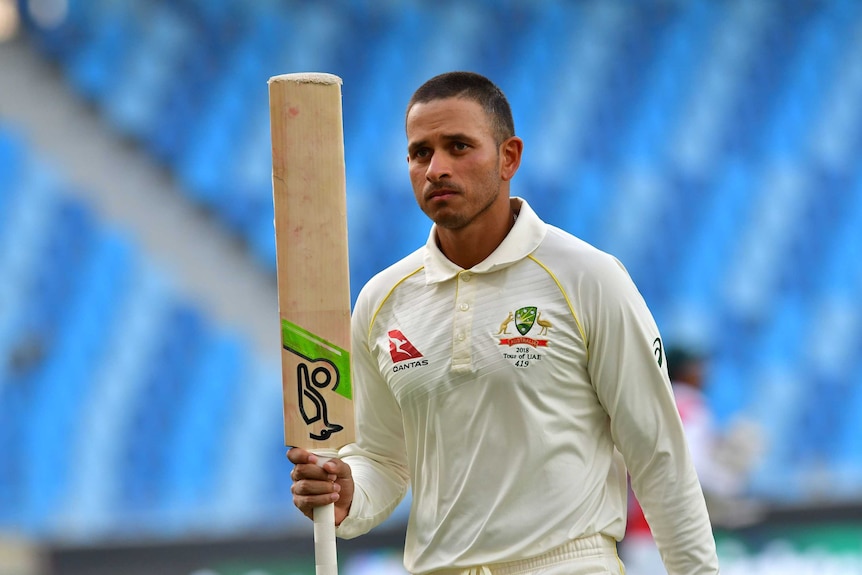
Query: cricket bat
pixel 309 198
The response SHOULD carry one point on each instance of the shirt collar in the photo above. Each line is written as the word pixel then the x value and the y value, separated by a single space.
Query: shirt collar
pixel 524 237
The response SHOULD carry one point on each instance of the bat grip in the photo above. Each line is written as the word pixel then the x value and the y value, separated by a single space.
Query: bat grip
pixel 325 557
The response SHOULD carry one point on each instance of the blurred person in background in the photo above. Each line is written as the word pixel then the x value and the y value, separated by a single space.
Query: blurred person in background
pixel 501 370
pixel 723 461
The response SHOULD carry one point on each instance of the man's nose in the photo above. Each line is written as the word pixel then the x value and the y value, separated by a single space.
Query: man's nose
pixel 439 167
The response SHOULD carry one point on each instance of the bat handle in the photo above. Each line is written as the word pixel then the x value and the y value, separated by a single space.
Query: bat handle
pixel 325 557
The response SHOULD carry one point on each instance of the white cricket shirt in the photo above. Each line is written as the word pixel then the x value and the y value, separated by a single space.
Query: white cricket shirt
pixel 499 394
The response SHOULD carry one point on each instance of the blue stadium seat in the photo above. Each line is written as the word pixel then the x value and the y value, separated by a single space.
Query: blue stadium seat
pixel 527 79
pixel 840 414
pixel 64 379
pixel 95 64
pixel 800 100
pixel 28 221
pixel 134 100
pixel 153 415
pixel 13 486
pixel 73 231
pixel 727 387
pixel 195 453
pixel 92 509
pixel 710 246
pixel 841 271
pixel 54 28
pixel 253 440
pixel 674 63
pixel 848 439
pixel 12 158
pixel 778 402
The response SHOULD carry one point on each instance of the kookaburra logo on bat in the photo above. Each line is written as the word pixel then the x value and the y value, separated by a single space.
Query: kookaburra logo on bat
pixel 323 369
pixel 312 405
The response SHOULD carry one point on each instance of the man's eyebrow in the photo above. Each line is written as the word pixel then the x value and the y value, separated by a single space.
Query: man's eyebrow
pixel 459 137
pixel 454 137
pixel 413 146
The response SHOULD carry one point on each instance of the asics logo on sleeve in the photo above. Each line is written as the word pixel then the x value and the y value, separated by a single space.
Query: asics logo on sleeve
pixel 658 350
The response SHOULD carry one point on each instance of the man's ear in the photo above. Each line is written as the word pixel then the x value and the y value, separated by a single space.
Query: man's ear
pixel 510 157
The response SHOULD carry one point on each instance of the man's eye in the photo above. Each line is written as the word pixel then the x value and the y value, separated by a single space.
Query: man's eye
pixel 460 146
pixel 421 153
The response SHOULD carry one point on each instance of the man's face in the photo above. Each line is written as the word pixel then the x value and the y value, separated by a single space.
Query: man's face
pixel 454 160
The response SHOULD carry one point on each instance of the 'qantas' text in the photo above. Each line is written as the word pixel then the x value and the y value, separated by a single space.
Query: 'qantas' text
pixel 408 365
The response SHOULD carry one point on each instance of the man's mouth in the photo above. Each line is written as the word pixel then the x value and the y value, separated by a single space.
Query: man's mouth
pixel 441 194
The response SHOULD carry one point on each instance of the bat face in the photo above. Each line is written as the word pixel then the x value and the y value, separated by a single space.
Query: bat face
pixel 309 199
pixel 322 392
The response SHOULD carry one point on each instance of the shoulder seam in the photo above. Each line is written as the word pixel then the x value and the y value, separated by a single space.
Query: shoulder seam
pixel 386 298
pixel 568 301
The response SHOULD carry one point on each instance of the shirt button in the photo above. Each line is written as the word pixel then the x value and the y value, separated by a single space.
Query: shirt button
pixel 464 306
pixel 461 337
pixel 466 277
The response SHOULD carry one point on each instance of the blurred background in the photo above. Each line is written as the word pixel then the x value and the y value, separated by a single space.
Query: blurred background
pixel 713 146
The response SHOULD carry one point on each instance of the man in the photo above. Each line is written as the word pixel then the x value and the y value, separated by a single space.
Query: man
pixel 508 431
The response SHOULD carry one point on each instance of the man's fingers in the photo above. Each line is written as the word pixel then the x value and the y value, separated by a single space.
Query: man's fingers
pixel 310 494
pixel 298 455
pixel 306 466
pixel 314 487
pixel 337 468
pixel 315 474
pixel 311 471
pixel 318 482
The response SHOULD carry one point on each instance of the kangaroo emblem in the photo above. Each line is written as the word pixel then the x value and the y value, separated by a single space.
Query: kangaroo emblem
pixel 398 343
pixel 504 327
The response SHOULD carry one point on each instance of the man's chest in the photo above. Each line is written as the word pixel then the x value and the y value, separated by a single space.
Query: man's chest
pixel 478 330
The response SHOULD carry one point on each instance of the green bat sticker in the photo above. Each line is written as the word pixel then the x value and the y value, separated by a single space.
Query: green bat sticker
pixel 324 366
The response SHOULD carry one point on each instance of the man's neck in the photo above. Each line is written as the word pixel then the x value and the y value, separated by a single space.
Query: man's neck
pixel 471 245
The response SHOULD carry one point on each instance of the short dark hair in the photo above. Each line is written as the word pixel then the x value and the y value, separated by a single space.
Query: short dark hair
pixel 474 87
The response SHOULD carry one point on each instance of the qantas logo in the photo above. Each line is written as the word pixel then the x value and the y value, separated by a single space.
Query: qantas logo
pixel 400 347
pixel 401 350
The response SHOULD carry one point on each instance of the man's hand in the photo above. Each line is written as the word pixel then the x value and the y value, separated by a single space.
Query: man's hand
pixel 315 486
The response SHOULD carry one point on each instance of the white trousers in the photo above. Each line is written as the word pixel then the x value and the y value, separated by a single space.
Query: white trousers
pixel 592 555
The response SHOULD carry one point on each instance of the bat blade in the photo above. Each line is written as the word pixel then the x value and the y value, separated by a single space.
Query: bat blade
pixel 310 205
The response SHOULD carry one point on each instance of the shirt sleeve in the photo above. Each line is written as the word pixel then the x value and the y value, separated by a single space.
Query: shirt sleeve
pixel 378 458
pixel 627 367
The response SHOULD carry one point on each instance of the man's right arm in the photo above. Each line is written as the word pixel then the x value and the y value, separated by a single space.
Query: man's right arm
pixel 629 372
pixel 378 458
